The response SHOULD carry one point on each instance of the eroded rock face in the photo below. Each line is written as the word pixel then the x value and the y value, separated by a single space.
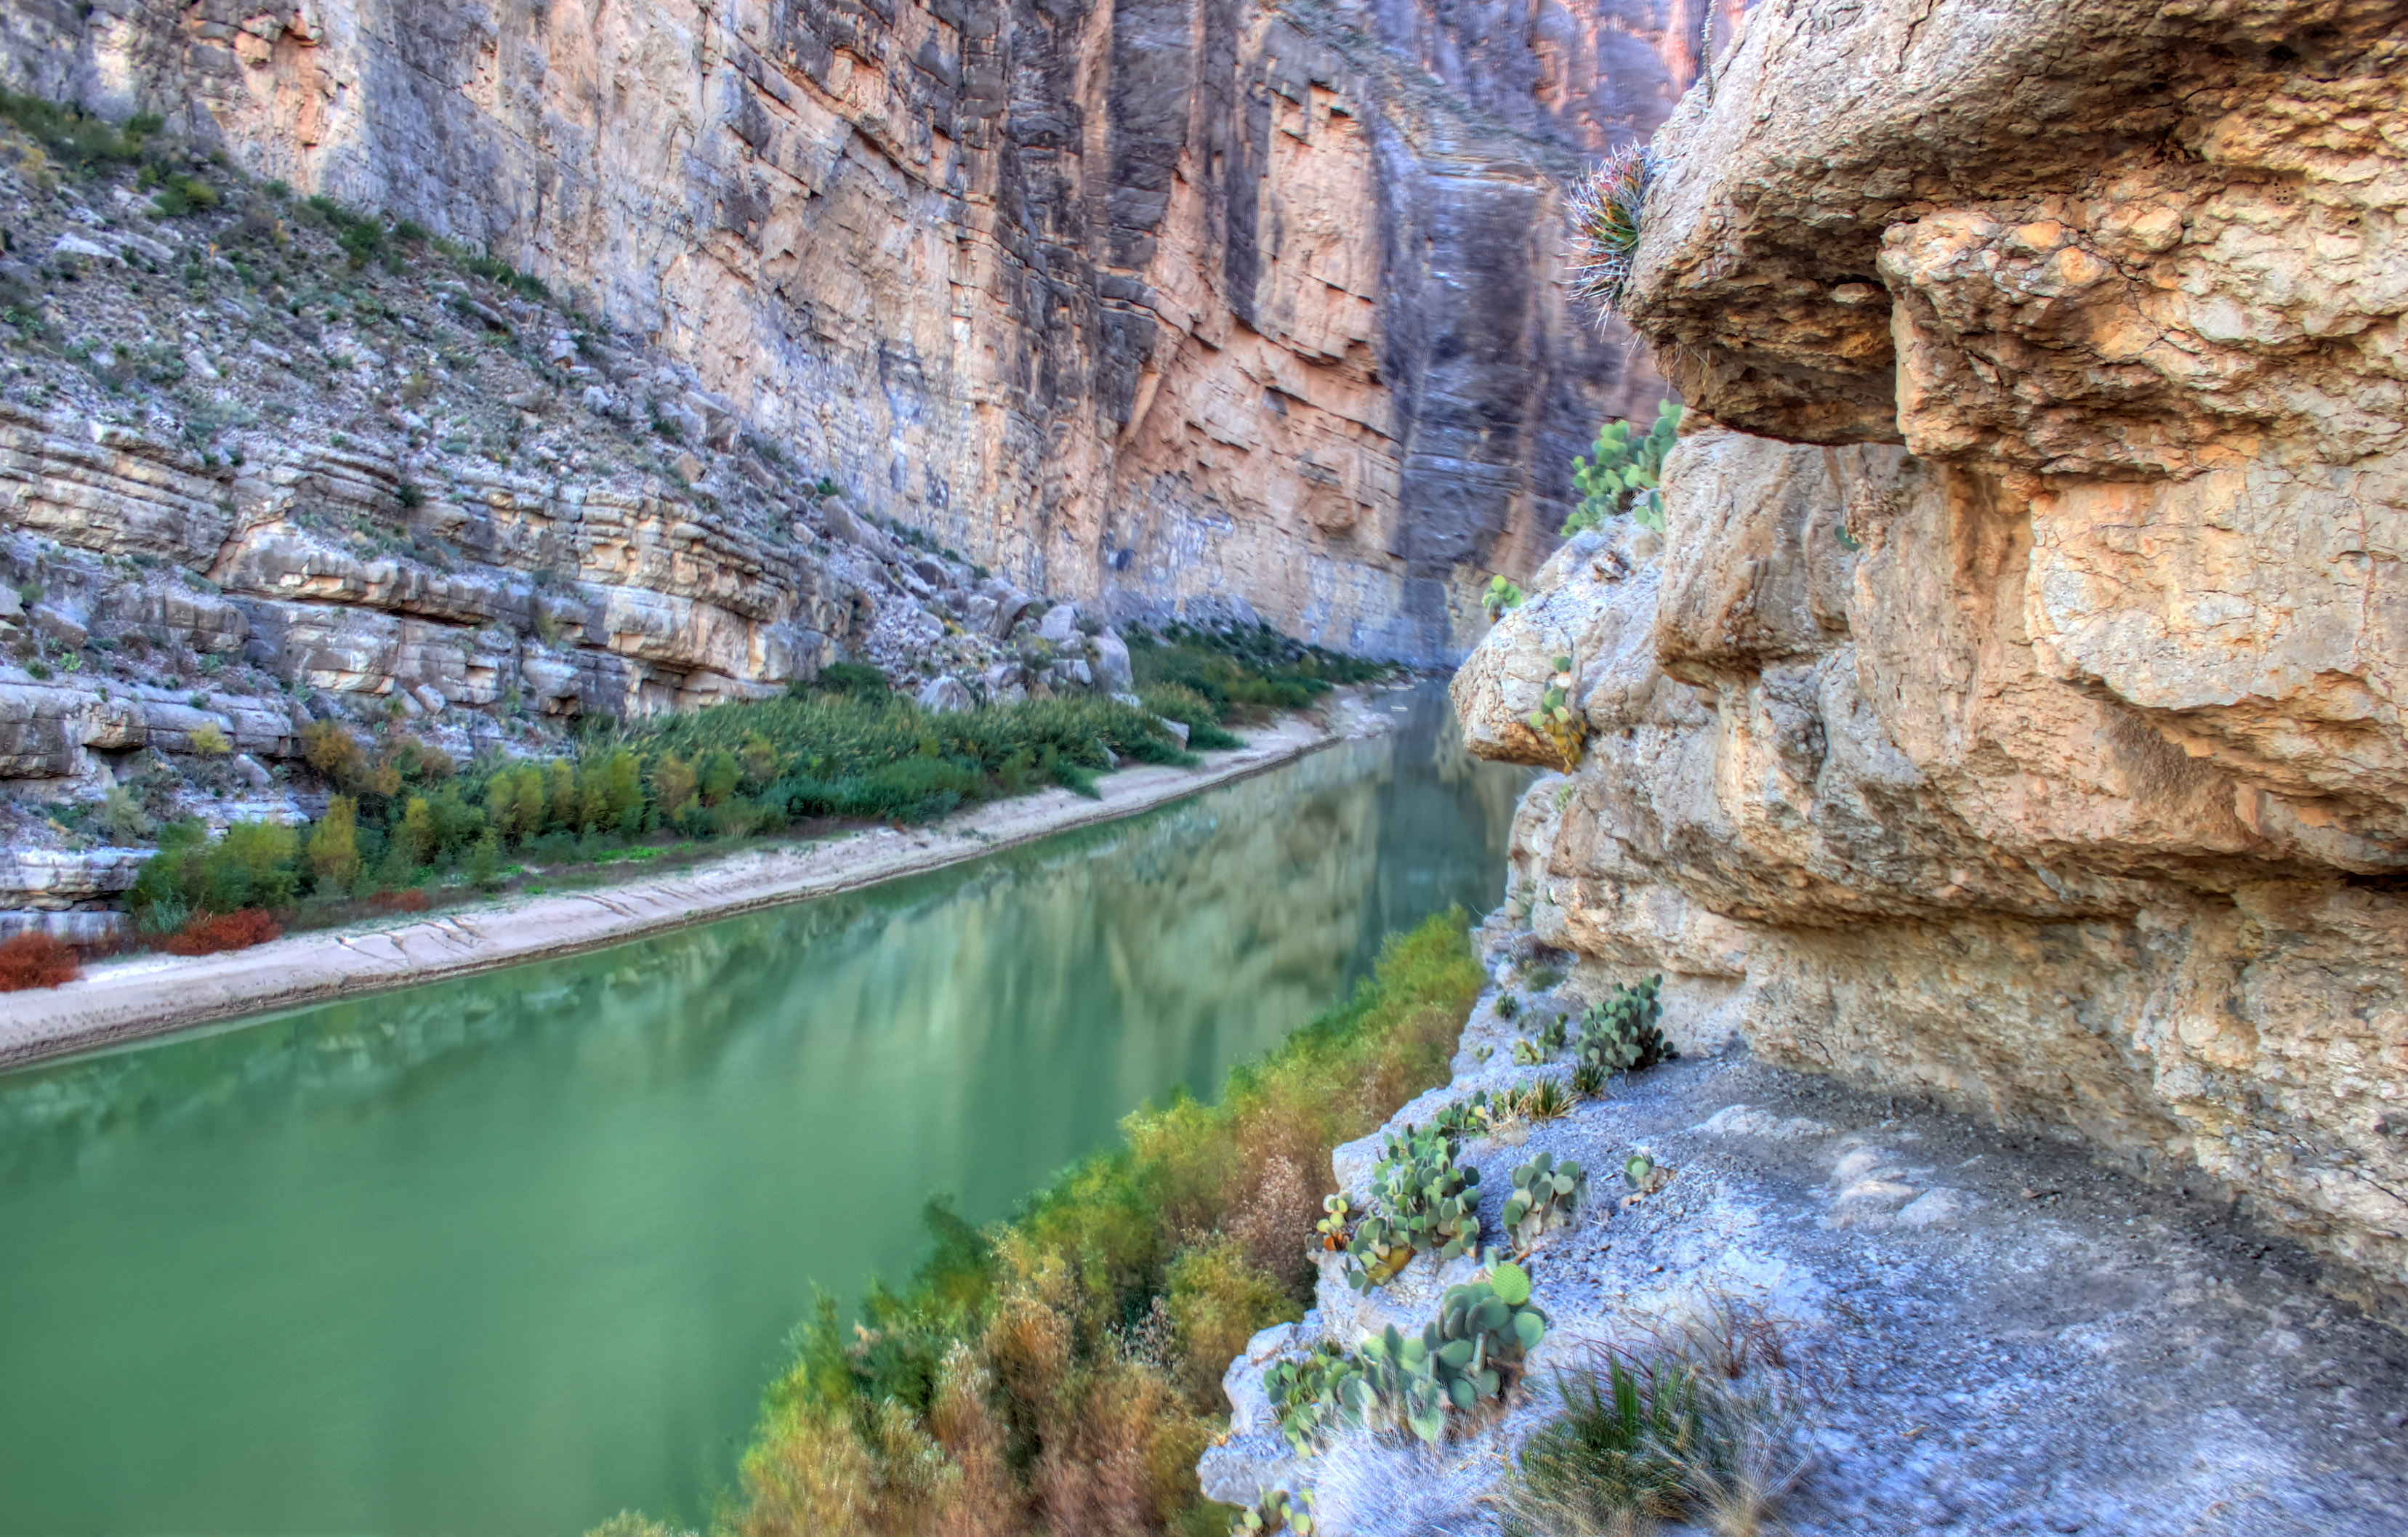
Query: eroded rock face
pixel 1840 799
pixel 2036 738
pixel 1161 302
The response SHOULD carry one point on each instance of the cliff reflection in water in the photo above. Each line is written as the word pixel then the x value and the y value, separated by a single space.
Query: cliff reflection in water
pixel 513 1252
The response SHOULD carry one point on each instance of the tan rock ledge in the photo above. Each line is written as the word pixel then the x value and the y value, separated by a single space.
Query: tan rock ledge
pixel 152 994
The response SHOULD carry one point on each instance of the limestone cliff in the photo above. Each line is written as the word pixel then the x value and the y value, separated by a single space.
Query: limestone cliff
pixel 1161 301
pixel 2017 716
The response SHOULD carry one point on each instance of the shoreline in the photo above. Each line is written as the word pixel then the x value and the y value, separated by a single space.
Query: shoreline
pixel 120 1002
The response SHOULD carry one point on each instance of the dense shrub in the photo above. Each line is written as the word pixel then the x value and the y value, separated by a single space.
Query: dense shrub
pixel 1241 672
pixel 1061 1372
pixel 212 933
pixel 36 960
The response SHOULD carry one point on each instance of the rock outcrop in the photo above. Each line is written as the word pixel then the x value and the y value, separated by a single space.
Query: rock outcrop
pixel 1986 1333
pixel 2016 716
pixel 1165 302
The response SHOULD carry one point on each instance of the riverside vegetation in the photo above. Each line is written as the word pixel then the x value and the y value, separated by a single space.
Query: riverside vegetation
pixel 405 820
pixel 1060 1372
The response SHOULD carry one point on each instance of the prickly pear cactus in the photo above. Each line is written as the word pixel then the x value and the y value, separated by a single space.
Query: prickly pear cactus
pixel 1546 1195
pixel 1558 719
pixel 1422 1201
pixel 1407 1382
pixel 1279 1512
pixel 1620 1035
pixel 1337 1217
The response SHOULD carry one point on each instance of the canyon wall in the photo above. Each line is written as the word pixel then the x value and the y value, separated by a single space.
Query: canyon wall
pixel 1157 300
pixel 2012 709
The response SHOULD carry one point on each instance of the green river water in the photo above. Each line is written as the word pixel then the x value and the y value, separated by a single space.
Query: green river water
pixel 506 1255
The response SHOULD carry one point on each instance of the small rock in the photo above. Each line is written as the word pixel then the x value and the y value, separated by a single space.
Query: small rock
pixel 1176 728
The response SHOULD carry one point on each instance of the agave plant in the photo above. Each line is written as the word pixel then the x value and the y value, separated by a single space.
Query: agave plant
pixel 1608 206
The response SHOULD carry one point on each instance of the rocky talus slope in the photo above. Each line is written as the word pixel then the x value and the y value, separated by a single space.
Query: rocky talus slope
pixel 2011 711
pixel 247 483
pixel 1159 300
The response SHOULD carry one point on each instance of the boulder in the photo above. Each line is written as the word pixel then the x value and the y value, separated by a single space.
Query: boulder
pixel 943 694
pixel 1111 662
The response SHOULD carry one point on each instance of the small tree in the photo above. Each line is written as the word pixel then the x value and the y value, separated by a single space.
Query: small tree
pixel 673 785
pixel 335 846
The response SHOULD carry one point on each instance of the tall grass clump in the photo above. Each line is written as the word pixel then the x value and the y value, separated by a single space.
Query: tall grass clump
pixel 1059 1373
pixel 1703 1425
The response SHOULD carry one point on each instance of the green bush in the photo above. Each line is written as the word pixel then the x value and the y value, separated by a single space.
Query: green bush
pixel 857 678
pixel 1242 672
pixel 74 137
pixel 255 864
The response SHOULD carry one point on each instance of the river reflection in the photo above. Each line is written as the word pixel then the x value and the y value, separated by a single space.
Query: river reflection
pixel 508 1254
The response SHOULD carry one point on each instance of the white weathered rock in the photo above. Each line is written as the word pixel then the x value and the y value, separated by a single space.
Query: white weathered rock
pixel 1060 624
pixel 944 694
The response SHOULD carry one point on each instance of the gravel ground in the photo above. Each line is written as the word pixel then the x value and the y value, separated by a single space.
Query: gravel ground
pixel 1997 1334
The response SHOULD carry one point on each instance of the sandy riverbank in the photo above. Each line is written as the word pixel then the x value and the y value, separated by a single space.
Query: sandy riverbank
pixel 148 995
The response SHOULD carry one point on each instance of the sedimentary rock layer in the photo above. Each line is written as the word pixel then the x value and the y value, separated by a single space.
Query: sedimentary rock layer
pixel 1169 299
pixel 2027 727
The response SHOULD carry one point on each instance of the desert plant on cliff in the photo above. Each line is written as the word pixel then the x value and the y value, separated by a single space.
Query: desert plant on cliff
pixel 1466 1356
pixel 1621 1036
pixel 1502 594
pixel 1556 719
pixel 1607 207
pixel 1546 1195
pixel 1279 1510
pixel 1623 476
pixel 1422 1202
pixel 1684 1428
pixel 1004 1391
pixel 36 960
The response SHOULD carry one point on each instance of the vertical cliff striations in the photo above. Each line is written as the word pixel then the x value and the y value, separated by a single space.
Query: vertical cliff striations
pixel 2013 708
pixel 1159 301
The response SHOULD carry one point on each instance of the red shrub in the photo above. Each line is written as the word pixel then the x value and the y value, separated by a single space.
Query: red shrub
pixel 36 960
pixel 211 933
pixel 408 900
